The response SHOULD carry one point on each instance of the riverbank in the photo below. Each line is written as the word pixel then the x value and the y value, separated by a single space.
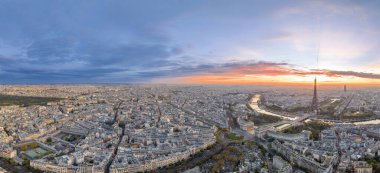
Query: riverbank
pixel 254 104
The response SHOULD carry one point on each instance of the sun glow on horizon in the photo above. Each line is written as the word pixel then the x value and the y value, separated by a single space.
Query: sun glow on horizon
pixel 270 80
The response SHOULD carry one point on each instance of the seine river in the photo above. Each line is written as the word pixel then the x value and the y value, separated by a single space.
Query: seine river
pixel 254 106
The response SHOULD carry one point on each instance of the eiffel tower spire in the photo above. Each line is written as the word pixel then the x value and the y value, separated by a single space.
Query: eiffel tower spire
pixel 314 103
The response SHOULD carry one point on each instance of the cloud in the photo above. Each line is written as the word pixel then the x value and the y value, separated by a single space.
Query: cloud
pixel 130 54
pixel 281 69
pixel 333 73
pixel 257 72
pixel 277 36
pixel 3 58
pixel 76 41
pixel 61 59
pixel 50 50
pixel 137 41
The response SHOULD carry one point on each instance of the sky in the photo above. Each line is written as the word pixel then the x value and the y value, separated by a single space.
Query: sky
pixel 190 42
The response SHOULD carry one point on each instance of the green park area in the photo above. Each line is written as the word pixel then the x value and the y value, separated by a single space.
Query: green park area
pixel 37 153
pixel 374 162
pixel 291 110
pixel 356 115
pixel 229 155
pixel 29 146
pixel 34 151
pixel 9 100
pixel 233 136
pixel 328 107
pixel 313 126
pixel 264 119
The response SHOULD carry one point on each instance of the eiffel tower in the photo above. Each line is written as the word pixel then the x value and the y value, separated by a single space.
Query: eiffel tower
pixel 314 103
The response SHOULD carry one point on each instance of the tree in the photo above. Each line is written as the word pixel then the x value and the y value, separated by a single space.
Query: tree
pixel 49 140
pixel 24 147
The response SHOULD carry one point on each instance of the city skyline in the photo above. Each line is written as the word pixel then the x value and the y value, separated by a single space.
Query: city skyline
pixel 197 42
pixel 195 86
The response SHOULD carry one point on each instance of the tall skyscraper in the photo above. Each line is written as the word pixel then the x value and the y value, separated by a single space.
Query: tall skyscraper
pixel 314 103
pixel 345 88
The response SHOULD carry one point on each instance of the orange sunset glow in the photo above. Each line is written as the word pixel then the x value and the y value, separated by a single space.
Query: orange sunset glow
pixel 273 80
pixel 263 73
